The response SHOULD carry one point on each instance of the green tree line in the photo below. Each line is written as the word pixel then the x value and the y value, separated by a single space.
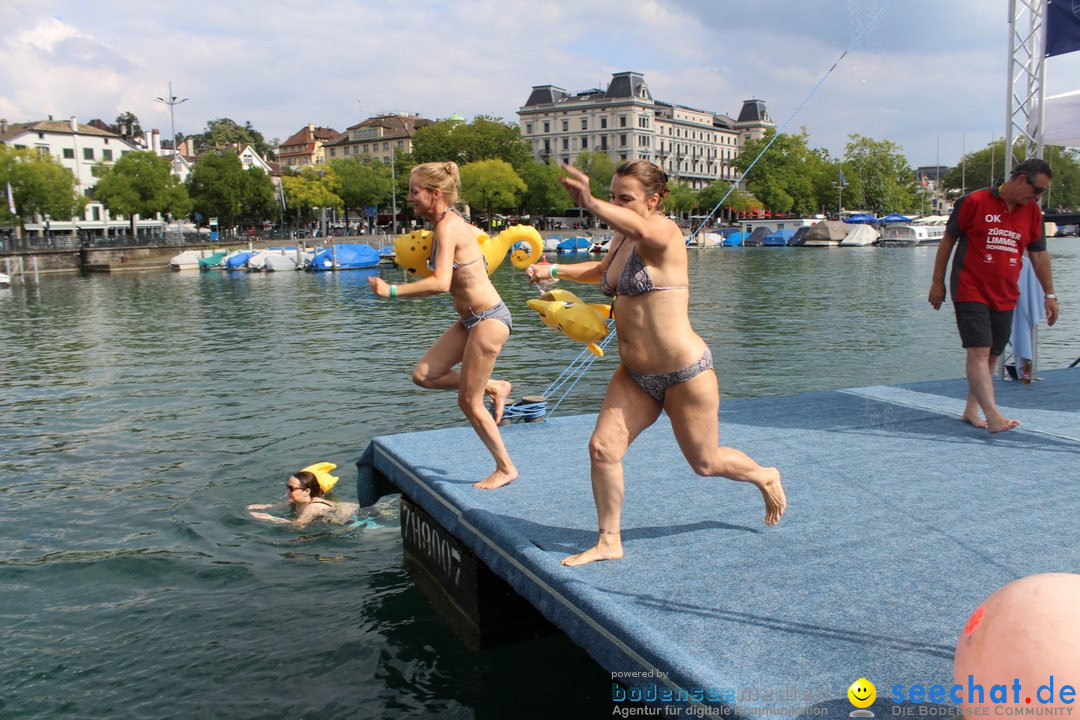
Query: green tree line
pixel 782 173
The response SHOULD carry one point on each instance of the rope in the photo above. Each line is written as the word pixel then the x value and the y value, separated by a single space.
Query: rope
pixel 787 122
pixel 572 374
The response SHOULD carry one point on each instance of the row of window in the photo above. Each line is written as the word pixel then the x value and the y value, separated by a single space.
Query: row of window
pixel 69 153
pixel 643 123
pixel 366 148
pixel 644 141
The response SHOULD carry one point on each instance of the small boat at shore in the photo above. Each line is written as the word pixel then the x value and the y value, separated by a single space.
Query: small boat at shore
pixel 345 256
pixel 826 233
pixel 189 259
pixel 911 235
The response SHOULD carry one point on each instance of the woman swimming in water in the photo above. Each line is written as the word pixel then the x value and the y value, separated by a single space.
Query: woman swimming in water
pixel 304 494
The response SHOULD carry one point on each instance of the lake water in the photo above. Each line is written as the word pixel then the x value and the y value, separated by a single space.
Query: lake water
pixel 141 412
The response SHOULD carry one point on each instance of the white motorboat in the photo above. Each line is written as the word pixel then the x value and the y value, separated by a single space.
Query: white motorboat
pixel 5 280
pixel 910 235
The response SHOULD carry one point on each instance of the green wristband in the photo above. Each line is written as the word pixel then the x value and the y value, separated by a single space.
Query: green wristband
pixel 393 291
pixel 555 272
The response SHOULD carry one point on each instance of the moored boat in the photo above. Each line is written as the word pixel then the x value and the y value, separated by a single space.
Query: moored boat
pixel 911 235
pixel 826 233
pixel 189 259
pixel 860 236
pixel 345 256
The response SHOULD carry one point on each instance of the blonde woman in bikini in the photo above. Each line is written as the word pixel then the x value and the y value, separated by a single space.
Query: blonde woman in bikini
pixel 476 338
pixel 665 365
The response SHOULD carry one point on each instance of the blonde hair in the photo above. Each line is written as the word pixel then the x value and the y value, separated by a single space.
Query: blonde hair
pixel 442 176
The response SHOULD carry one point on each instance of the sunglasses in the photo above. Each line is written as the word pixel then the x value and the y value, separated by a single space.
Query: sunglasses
pixel 293 488
pixel 1038 190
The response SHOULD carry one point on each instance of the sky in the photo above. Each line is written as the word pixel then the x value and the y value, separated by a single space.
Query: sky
pixel 929 75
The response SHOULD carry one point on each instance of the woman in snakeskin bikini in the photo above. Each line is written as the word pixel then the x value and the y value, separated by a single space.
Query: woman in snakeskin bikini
pixel 665 365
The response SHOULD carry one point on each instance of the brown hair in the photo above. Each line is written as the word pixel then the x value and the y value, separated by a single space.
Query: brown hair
pixel 651 177
pixel 442 176
pixel 309 482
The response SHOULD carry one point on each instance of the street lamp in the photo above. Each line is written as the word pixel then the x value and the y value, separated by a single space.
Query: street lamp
pixel 393 187
pixel 172 102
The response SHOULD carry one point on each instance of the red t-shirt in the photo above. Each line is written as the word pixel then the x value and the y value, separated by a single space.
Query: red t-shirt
pixel 990 242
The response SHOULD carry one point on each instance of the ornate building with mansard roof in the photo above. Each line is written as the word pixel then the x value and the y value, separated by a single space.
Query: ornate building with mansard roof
pixel 625 121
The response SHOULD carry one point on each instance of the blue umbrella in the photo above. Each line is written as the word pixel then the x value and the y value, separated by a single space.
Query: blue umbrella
pixel 860 218
pixel 895 217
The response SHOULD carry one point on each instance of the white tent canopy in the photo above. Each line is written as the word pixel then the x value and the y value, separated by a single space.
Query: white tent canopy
pixel 1061 120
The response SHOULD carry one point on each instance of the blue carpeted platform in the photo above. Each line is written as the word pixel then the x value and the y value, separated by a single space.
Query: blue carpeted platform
pixel 901 520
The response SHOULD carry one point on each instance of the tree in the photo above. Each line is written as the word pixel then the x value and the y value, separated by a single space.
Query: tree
pixel 888 183
pixel 986 167
pixel 492 185
pixel 140 183
pixel 722 191
pixel 127 125
pixel 783 177
pixel 257 197
pixel 600 169
pixel 543 192
pixel 682 199
pixel 484 139
pixel 40 185
pixel 309 189
pixel 223 134
pixel 220 187
pixel 360 183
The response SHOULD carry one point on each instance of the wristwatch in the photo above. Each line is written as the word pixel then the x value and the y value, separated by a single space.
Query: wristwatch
pixel 1050 296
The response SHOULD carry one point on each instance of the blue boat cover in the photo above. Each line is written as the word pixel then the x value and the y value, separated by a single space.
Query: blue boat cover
pixel 350 256
pixel 573 244
pixel 239 260
pixel 779 237
pixel 735 239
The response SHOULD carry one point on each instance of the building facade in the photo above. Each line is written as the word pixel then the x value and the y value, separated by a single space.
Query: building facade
pixel 624 120
pixel 306 147
pixel 78 147
pixel 378 137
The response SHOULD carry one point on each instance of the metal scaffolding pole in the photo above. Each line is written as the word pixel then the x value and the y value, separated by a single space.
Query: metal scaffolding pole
pixel 1027 73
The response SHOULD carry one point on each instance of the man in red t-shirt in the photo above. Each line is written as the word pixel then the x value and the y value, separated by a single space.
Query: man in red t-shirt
pixel 991 229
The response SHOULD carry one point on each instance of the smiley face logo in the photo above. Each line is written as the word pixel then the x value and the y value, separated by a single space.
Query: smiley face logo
pixel 862 693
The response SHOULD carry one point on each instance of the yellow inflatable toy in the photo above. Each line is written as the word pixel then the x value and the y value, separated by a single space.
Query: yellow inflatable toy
pixel 565 312
pixel 321 471
pixel 413 250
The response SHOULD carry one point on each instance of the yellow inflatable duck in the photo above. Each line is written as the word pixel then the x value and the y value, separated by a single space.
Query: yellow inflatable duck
pixel 321 471
pixel 413 250
pixel 565 312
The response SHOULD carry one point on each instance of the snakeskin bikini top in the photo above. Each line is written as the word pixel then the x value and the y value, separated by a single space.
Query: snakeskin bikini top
pixel 635 278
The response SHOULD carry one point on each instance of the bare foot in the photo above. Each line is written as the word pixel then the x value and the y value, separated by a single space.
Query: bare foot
pixel 1002 426
pixel 973 420
pixel 775 499
pixel 496 480
pixel 608 547
pixel 499 397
